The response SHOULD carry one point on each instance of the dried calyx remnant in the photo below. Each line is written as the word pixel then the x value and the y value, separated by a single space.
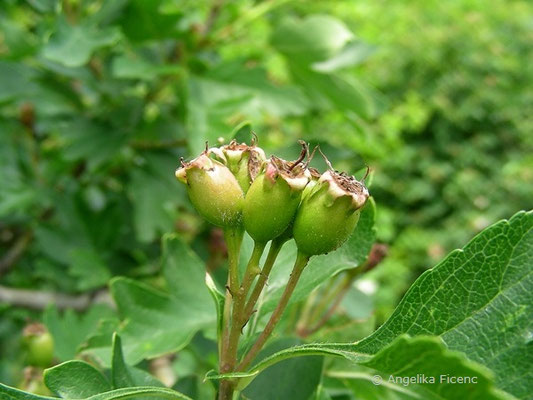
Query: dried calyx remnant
pixel 244 161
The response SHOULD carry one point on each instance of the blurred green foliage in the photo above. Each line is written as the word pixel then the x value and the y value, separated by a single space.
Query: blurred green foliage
pixel 99 99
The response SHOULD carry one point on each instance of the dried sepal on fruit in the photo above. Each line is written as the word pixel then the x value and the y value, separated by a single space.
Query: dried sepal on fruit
pixel 213 190
pixel 274 196
pixel 244 161
pixel 329 212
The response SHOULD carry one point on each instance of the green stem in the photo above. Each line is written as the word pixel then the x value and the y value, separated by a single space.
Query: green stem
pixel 299 265
pixel 233 238
pixel 239 295
pixel 237 320
pixel 273 252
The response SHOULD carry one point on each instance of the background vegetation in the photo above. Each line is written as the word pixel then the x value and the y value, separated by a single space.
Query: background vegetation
pixel 99 99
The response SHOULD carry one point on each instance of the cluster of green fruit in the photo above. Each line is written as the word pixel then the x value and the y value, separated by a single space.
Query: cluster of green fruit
pixel 236 185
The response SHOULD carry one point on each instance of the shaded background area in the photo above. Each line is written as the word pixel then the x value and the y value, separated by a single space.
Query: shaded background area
pixel 99 99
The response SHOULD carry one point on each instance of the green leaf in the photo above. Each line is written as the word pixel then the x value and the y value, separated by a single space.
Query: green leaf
pixel 405 357
pixel 89 269
pixel 242 133
pixel 14 394
pixel 219 299
pixel 69 330
pixel 92 141
pixel 295 378
pixel 315 47
pixel 352 254
pixel 75 380
pixel 479 300
pixel 120 374
pixel 143 20
pixel 362 385
pixel 73 46
pixel 44 6
pixel 427 357
pixel 352 54
pixel 333 91
pixel 232 89
pixel 17 41
pixel 129 67
pixel 315 38
pixel 148 391
pixel 158 322
pixel 15 80
pixel 9 393
pixel 479 293
pixel 155 194
pixel 123 375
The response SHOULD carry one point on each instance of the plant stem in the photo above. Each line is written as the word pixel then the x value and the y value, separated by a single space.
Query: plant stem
pixel 238 315
pixel 225 390
pixel 273 252
pixel 233 238
pixel 238 295
pixel 299 265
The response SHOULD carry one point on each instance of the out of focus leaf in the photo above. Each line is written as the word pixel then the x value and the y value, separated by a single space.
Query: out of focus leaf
pixel 70 329
pixel 155 194
pixel 73 46
pixel 89 269
pixel 182 311
pixel 143 20
pixel 137 68
pixel 352 54
pixel 314 38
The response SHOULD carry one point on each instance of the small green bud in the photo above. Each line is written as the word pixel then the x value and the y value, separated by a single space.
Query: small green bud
pixel 245 162
pixel 329 213
pixel 213 190
pixel 39 345
pixel 273 198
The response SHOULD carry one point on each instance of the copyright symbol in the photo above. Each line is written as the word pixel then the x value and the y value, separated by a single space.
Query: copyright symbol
pixel 377 379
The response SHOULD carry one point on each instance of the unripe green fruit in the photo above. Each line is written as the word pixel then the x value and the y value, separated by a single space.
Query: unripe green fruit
pixel 213 190
pixel 39 345
pixel 269 208
pixel 328 214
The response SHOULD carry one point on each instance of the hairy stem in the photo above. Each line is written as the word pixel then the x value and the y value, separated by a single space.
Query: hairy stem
pixel 299 265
